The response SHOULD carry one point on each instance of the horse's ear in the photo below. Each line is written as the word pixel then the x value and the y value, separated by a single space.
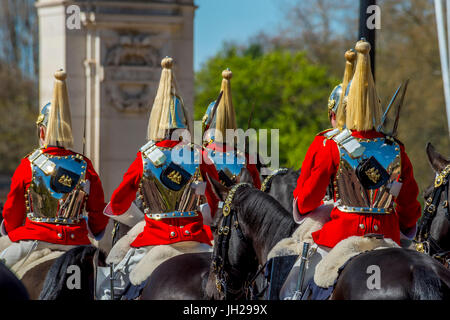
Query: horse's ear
pixel 437 161
pixel 219 190
pixel 245 176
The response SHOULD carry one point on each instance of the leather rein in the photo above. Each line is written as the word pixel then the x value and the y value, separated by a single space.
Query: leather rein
pixel 425 243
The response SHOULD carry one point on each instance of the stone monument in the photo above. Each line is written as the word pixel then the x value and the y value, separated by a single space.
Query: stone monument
pixel 112 59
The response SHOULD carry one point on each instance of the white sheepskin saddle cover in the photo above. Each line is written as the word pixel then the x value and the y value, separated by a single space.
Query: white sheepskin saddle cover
pixel 327 269
pixel 4 242
pixel 122 246
pixel 312 222
pixel 35 258
pixel 155 255
pixel 158 254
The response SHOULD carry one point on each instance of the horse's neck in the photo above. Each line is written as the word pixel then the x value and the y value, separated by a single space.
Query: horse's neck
pixel 276 220
pixel 440 230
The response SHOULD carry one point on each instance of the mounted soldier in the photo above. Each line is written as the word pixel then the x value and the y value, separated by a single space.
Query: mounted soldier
pixel 220 116
pixel 56 197
pixel 374 188
pixel 169 178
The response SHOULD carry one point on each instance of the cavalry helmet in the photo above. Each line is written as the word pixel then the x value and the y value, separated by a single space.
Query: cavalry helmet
pixel 44 113
pixel 225 115
pixel 168 112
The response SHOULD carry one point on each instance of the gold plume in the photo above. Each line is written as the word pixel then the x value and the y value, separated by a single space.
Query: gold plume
pixel 158 124
pixel 225 114
pixel 350 57
pixel 363 110
pixel 59 129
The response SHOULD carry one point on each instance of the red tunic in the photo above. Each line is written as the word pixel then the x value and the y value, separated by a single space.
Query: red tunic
pixel 164 231
pixel 19 227
pixel 251 167
pixel 320 166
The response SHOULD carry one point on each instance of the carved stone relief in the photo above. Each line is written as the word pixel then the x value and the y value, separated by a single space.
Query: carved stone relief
pixel 131 72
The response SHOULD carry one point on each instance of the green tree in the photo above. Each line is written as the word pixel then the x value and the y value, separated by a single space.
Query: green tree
pixel 287 91
pixel 18 108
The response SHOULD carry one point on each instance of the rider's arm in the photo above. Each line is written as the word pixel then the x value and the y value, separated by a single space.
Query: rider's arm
pixel 125 193
pixel 317 169
pixel 96 202
pixel 14 209
pixel 408 208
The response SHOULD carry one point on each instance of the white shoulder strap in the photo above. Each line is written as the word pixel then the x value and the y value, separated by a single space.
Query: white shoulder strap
pixel 152 152
pixel 40 160
pixel 345 140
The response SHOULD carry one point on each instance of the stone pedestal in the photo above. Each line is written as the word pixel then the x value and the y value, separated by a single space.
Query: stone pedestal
pixel 113 67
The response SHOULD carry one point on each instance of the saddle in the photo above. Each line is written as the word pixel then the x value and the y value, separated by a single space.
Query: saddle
pixel 327 269
pixel 310 223
pixel 35 258
pixel 155 255
pixel 158 254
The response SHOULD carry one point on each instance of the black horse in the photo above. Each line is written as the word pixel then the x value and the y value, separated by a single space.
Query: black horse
pixel 182 277
pixel 58 271
pixel 11 289
pixel 404 275
pixel 433 235
pixel 251 226
pixel 280 185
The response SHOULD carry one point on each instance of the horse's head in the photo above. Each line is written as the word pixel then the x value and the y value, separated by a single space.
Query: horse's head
pixel 435 223
pixel 234 258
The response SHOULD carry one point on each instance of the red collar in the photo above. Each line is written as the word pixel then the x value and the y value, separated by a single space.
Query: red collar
pixel 167 143
pixel 57 151
pixel 367 134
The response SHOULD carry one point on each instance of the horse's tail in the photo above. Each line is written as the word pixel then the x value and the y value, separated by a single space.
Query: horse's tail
pixel 56 278
pixel 427 285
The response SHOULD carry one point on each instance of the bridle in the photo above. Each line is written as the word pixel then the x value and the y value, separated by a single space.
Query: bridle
pixel 224 271
pixel 424 241
pixel 266 184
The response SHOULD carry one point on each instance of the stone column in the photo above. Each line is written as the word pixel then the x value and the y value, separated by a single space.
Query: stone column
pixel 113 67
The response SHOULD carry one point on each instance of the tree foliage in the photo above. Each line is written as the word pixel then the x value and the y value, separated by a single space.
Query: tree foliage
pixel 18 116
pixel 287 91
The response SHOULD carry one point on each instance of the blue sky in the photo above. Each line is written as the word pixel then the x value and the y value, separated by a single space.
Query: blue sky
pixel 217 21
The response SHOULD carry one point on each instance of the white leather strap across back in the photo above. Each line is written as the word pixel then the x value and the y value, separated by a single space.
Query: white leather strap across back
pixel 130 217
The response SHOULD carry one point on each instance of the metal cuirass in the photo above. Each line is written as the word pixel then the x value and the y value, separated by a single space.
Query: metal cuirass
pixel 171 184
pixel 228 164
pixel 350 193
pixel 58 188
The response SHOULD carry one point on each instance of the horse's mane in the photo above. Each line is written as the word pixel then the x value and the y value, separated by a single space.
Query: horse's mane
pixel 289 178
pixel 56 278
pixel 271 223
